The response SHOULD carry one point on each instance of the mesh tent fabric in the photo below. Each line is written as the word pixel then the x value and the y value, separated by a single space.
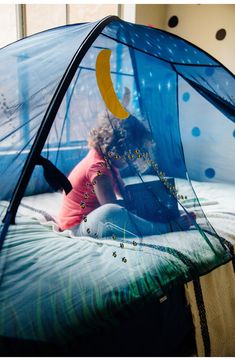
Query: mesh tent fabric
pixel 180 94
pixel 36 70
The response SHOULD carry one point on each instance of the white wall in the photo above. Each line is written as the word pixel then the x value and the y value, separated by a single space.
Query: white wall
pixel 151 15
pixel 128 12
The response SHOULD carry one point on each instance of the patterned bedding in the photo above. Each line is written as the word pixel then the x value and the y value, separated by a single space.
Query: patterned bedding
pixel 55 287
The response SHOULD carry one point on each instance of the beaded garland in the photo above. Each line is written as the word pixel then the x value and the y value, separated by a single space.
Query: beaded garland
pixel 136 154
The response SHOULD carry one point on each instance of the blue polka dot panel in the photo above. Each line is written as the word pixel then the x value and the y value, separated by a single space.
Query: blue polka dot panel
pixel 207 136
pixel 120 121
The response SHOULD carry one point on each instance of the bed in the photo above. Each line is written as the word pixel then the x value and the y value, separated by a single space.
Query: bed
pixel 69 295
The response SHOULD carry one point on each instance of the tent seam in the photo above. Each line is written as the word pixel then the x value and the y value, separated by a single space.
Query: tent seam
pixel 158 57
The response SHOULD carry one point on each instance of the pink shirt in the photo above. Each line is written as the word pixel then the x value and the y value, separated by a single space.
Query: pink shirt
pixel 82 199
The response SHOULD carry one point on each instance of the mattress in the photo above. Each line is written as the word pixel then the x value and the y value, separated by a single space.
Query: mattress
pixel 56 286
pixel 215 199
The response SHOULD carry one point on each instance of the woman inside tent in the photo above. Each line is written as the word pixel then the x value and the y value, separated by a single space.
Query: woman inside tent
pixel 92 208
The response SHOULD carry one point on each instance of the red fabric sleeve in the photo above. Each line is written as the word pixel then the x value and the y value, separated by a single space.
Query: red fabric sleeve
pixel 96 169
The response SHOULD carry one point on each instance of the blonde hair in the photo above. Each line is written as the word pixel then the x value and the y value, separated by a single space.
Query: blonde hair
pixel 111 134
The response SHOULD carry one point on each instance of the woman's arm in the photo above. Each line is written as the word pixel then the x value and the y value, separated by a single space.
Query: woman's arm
pixel 104 190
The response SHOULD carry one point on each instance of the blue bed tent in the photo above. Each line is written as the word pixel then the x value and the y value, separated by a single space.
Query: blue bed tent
pixel 50 101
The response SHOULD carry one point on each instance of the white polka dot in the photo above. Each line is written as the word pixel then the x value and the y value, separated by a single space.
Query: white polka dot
pixel 150 74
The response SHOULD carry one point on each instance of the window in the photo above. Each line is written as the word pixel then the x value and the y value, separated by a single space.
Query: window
pixel 20 20
pixel 43 17
pixel 79 13
pixel 8 24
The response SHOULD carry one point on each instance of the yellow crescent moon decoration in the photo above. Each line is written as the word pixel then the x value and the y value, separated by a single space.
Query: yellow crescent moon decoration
pixel 105 84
